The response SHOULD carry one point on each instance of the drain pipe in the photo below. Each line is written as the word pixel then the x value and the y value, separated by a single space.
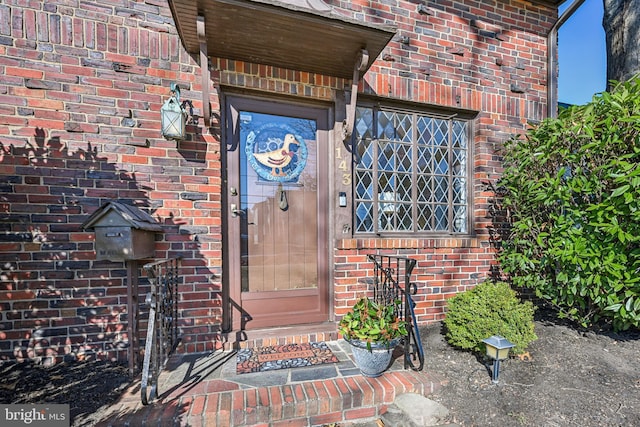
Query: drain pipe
pixel 552 62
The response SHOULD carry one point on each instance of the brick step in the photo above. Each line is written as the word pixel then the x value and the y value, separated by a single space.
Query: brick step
pixel 219 402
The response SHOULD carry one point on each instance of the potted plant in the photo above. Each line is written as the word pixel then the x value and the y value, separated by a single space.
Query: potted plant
pixel 373 330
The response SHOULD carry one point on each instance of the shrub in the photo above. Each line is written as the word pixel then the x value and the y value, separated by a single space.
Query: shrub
pixel 572 193
pixel 491 308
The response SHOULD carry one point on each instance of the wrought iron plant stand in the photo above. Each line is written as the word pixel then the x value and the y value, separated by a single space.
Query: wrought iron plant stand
pixel 392 281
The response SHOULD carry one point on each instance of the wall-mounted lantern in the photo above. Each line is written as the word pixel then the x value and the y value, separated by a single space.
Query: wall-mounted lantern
pixel 498 349
pixel 173 116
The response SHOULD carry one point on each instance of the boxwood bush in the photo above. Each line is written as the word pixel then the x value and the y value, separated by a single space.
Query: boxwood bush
pixel 491 308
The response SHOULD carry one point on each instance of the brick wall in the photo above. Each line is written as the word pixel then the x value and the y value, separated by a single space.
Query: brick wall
pixel 81 86
pixel 81 89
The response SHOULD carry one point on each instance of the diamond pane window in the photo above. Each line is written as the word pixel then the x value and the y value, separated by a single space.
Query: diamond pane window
pixel 365 154
pixel 425 215
pixel 411 172
pixel 364 123
pixel 405 188
pixel 364 217
pixel 441 217
pixel 405 218
pixel 364 186
pixel 460 135
pixel 459 162
pixel 425 161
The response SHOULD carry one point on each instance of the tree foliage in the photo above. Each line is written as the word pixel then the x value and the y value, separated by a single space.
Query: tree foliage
pixel 572 191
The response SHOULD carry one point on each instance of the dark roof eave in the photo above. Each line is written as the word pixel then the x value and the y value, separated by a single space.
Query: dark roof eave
pixel 275 33
pixel 552 3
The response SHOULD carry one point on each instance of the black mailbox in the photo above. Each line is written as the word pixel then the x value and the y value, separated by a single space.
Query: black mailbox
pixel 123 232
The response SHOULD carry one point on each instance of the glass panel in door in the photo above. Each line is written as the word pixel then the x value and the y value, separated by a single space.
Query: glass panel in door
pixel 279 246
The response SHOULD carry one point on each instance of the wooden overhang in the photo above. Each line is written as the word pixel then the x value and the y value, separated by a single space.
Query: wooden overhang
pixel 280 33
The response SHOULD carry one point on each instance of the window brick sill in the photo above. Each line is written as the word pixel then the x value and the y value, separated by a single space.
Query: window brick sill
pixel 400 243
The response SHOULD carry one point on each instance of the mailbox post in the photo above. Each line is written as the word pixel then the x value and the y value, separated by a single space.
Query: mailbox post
pixel 125 233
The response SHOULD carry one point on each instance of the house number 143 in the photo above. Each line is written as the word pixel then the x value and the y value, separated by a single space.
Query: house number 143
pixel 346 174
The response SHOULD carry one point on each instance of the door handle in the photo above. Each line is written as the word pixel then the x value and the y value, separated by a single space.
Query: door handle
pixel 235 211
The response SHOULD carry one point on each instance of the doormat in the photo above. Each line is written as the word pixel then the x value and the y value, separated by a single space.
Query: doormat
pixel 286 356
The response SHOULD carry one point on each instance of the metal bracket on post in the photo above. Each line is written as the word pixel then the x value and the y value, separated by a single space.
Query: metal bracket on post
pixel 361 64
pixel 204 70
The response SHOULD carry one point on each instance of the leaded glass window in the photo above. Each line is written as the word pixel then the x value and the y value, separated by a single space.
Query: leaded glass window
pixel 411 172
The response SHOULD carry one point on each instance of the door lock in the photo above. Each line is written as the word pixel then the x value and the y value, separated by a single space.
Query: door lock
pixel 235 211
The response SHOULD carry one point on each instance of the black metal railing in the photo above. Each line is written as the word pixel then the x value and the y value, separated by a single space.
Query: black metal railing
pixel 392 281
pixel 162 329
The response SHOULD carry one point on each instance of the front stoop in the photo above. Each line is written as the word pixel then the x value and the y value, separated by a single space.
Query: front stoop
pixel 218 402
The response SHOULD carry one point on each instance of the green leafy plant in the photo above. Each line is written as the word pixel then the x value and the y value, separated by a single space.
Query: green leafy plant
pixel 491 308
pixel 571 194
pixel 372 322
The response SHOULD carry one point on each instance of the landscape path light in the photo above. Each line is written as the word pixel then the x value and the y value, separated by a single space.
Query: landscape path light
pixel 498 349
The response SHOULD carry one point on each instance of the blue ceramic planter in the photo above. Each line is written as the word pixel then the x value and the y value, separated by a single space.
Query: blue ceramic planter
pixel 372 363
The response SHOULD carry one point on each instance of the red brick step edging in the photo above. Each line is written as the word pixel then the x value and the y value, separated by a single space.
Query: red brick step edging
pixel 218 402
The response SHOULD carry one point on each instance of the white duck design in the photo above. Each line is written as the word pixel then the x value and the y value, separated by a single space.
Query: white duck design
pixel 278 159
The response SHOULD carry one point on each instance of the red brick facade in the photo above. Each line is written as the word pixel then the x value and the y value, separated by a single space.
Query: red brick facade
pixel 81 87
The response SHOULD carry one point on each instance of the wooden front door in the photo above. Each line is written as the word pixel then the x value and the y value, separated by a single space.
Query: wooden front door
pixel 277 213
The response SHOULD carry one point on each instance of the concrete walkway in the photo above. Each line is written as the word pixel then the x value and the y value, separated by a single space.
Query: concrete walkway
pixel 204 390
